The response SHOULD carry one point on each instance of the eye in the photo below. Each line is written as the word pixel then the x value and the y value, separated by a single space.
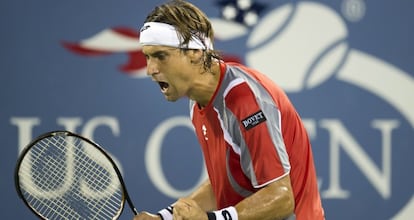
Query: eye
pixel 161 57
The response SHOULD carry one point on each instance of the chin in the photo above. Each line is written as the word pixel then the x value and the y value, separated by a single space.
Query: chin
pixel 171 99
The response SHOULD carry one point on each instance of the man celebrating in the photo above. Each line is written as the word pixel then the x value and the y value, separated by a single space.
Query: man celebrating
pixel 256 149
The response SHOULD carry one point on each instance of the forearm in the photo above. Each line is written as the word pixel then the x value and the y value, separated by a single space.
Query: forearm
pixel 273 202
pixel 204 197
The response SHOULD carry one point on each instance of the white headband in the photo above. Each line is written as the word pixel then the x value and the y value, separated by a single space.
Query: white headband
pixel 156 33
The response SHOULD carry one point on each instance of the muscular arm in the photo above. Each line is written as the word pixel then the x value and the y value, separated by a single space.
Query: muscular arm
pixel 274 201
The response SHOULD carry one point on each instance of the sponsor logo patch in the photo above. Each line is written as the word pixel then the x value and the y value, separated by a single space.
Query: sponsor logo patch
pixel 253 120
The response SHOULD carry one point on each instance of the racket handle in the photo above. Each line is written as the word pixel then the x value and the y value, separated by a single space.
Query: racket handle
pixel 131 205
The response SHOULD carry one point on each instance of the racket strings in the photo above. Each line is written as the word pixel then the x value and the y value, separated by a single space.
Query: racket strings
pixel 84 167
pixel 101 181
pixel 69 180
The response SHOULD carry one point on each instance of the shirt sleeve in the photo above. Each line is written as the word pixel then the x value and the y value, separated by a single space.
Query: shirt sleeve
pixel 263 153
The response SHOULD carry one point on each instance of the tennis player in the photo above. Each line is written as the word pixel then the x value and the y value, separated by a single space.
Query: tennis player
pixel 256 149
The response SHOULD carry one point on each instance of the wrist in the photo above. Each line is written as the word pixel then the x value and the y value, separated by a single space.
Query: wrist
pixel 229 213
pixel 166 214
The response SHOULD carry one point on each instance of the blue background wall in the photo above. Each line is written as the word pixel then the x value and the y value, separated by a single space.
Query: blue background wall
pixel 346 64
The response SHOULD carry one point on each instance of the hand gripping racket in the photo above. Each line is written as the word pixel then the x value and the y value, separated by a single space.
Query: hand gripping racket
pixel 62 175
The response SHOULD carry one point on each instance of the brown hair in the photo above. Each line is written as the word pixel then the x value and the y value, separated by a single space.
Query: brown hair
pixel 189 22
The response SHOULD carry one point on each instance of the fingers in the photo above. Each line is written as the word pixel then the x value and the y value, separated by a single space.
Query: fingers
pixel 184 205
pixel 186 209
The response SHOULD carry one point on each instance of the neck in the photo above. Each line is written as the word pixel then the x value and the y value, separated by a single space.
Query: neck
pixel 205 85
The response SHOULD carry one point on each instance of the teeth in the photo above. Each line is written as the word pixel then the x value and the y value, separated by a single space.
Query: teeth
pixel 163 85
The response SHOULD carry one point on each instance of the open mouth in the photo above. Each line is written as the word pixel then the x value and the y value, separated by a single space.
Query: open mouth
pixel 164 86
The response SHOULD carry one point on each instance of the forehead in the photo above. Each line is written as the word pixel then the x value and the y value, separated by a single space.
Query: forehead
pixel 150 49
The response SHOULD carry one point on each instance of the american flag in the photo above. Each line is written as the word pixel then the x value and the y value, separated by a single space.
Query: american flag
pixel 126 40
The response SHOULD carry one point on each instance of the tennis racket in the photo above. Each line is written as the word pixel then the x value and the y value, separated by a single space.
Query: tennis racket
pixel 62 175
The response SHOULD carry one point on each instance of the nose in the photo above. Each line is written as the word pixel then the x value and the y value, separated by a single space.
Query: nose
pixel 152 68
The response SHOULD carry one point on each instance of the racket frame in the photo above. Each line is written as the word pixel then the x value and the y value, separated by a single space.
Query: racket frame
pixel 69 134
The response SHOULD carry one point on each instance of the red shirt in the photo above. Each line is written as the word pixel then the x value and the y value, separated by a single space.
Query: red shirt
pixel 251 135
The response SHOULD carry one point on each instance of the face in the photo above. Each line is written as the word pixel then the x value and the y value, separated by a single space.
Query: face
pixel 171 68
